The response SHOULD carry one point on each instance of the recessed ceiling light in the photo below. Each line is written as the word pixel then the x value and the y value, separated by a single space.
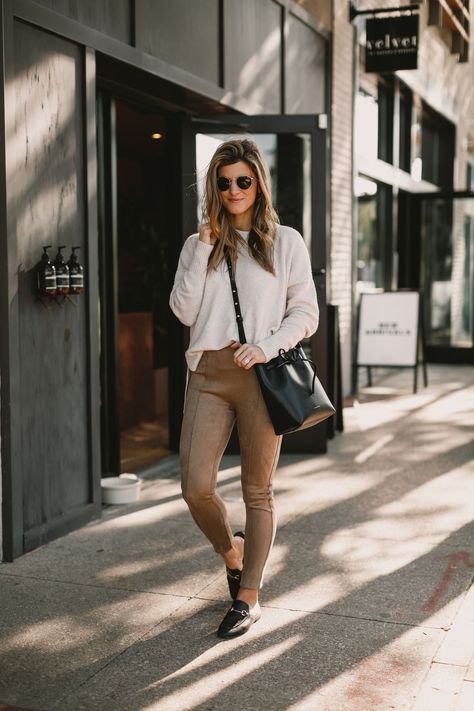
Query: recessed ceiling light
pixel 156 136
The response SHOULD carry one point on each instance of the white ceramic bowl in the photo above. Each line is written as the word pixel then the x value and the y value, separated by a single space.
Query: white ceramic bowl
pixel 121 489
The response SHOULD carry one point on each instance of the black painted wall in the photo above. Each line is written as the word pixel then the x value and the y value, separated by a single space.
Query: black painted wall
pixel 112 17
pixel 233 44
pixel 181 33
pixel 50 209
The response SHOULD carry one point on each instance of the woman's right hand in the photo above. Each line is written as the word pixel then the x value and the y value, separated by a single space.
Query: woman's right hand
pixel 205 235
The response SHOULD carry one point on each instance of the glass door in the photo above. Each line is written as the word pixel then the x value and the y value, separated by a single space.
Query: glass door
pixel 139 198
pixel 447 275
pixel 295 148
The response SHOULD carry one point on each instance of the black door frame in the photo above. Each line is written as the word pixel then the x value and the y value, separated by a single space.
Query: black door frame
pixel 108 282
pixel 313 440
pixel 413 256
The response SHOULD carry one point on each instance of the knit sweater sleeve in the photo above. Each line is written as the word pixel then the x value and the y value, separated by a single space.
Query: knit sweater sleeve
pixel 188 288
pixel 302 312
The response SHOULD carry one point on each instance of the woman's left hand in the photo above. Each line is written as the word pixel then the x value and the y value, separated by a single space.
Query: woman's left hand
pixel 247 355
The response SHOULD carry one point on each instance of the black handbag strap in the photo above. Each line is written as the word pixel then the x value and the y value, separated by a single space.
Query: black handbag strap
pixel 235 299
pixel 288 357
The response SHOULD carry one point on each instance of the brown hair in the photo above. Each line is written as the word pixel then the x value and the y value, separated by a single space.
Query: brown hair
pixel 264 219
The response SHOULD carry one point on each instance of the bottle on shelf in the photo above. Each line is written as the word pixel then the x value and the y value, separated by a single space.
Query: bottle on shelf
pixel 46 275
pixel 76 274
pixel 62 273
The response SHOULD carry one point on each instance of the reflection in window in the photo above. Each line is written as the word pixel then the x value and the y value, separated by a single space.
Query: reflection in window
pixel 416 164
pixel 374 263
pixel 385 119
pixel 437 148
pixel 289 160
pixel 467 305
pixel 437 244
pixel 469 176
pixel 404 157
pixel 448 270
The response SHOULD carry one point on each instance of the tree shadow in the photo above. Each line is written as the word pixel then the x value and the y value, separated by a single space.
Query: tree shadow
pixel 165 555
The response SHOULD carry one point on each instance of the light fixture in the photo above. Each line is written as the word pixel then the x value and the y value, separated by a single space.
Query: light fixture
pixel 156 136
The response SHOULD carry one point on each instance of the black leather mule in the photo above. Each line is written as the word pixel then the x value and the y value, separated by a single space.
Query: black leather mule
pixel 238 620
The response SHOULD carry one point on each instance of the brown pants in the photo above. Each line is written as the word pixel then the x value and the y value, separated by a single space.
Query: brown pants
pixel 218 393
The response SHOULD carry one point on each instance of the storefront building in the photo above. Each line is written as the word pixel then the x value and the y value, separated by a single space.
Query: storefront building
pixel 414 186
pixel 110 111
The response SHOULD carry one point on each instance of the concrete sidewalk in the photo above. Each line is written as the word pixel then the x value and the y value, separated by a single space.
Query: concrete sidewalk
pixel 367 602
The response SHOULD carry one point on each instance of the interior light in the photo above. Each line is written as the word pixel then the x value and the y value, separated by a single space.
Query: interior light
pixel 156 136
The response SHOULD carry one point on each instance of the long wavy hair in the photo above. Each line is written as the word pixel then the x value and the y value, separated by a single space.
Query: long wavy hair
pixel 264 219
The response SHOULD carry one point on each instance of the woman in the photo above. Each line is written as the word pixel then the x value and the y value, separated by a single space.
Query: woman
pixel 279 307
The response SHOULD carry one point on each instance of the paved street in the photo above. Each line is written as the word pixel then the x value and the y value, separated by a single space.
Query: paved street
pixel 367 602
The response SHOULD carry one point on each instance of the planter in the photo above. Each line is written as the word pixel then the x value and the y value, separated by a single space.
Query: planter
pixel 121 489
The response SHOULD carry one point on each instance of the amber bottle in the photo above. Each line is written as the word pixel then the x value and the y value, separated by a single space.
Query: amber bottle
pixel 46 275
pixel 76 274
pixel 62 273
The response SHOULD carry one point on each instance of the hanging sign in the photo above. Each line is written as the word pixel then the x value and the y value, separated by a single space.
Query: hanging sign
pixel 388 329
pixel 391 44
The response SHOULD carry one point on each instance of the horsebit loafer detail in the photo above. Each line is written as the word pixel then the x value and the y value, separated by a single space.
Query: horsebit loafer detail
pixel 239 618
pixel 233 581
pixel 234 574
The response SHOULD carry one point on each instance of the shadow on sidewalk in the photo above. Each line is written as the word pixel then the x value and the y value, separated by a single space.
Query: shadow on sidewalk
pixel 308 651
pixel 310 643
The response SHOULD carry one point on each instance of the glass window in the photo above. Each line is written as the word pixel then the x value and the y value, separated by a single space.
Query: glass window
pixel 405 113
pixel 437 149
pixel 144 278
pixel 448 270
pixel 416 139
pixel 385 120
pixel 469 176
pixel 467 305
pixel 429 150
pixel 374 249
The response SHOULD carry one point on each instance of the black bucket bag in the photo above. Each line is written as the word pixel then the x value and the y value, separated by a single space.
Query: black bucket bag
pixel 294 397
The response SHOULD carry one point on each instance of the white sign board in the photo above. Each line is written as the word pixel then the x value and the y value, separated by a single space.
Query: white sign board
pixel 388 329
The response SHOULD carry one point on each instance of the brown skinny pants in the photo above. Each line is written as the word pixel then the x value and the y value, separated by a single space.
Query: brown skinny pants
pixel 218 393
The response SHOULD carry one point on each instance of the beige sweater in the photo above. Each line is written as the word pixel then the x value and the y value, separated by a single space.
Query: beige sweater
pixel 278 311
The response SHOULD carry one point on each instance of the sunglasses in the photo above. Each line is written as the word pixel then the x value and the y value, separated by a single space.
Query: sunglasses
pixel 243 182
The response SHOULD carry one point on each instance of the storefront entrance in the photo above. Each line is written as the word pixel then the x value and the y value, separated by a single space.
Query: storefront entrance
pixel 143 210
pixel 136 209
pixel 441 242
pixel 102 375
pixel 151 166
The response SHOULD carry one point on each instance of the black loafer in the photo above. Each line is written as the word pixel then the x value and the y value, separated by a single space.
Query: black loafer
pixel 238 619
pixel 234 574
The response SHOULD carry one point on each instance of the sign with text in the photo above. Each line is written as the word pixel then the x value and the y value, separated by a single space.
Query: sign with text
pixel 388 329
pixel 391 44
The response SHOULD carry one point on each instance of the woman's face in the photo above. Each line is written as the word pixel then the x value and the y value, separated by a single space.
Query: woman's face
pixel 238 202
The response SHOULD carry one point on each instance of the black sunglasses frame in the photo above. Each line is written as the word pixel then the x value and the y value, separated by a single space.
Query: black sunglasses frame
pixel 228 182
